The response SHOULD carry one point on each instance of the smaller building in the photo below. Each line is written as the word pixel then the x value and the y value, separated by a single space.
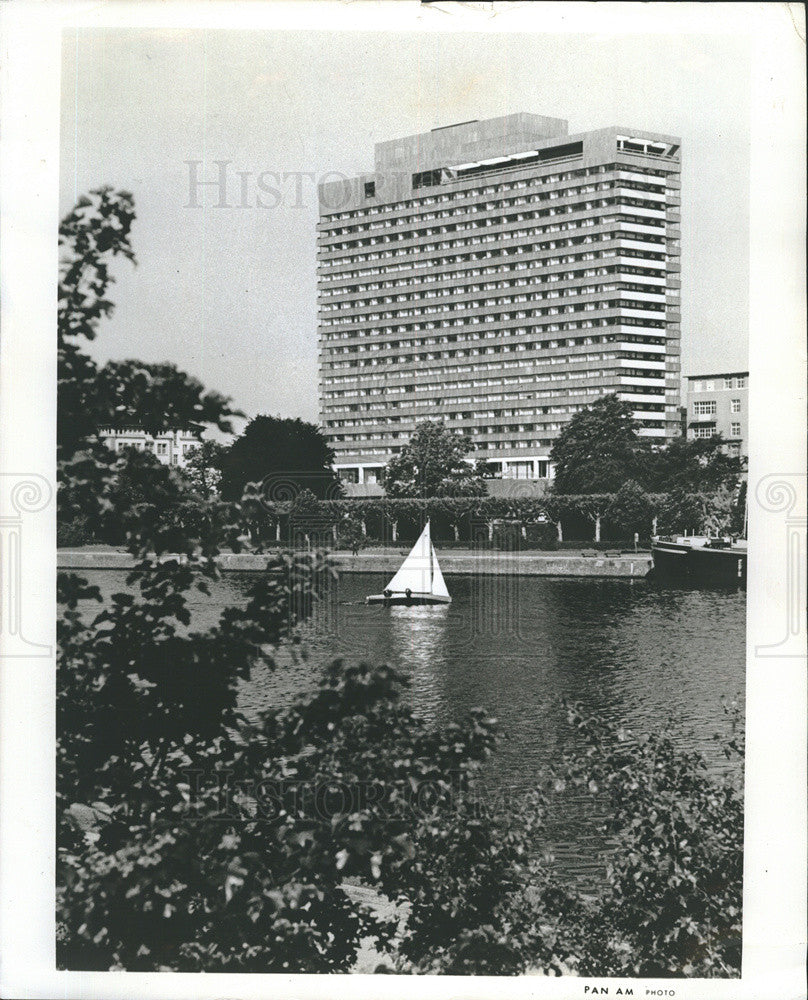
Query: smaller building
pixel 171 447
pixel 719 404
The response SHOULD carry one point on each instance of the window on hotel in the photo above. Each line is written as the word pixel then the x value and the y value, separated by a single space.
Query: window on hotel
pixel 703 432
pixel 740 382
pixel 735 430
pixel 705 408
pixel 727 383
pixel 735 406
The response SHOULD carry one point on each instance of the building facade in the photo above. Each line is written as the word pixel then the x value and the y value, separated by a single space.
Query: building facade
pixel 169 447
pixel 499 276
pixel 719 404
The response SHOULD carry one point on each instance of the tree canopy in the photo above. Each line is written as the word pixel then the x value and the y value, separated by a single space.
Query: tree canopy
pixel 690 464
pixel 158 397
pixel 600 451
pixel 286 455
pixel 597 451
pixel 432 464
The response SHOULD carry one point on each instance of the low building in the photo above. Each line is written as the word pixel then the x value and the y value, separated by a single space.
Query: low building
pixel 171 447
pixel 719 404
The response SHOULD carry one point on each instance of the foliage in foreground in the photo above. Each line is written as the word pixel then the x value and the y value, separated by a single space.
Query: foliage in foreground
pixel 227 848
pixel 672 901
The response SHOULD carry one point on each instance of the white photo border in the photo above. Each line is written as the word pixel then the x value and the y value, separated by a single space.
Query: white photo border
pixel 775 856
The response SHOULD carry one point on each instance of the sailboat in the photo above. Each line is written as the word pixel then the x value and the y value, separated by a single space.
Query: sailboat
pixel 419 579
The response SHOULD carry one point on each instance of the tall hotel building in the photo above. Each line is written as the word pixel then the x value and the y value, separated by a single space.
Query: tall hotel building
pixel 498 275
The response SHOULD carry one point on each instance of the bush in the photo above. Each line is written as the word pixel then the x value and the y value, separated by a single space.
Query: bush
pixel 672 902
pixel 630 510
pixel 75 532
pixel 542 536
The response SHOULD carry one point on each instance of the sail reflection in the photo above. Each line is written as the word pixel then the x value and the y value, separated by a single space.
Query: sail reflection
pixel 418 636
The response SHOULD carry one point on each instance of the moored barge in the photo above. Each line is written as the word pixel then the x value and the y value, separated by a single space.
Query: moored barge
pixel 699 559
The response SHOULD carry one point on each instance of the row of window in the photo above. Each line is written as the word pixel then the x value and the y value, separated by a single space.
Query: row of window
pixel 652 214
pixel 463 281
pixel 159 448
pixel 527 378
pixel 497 302
pixel 707 407
pixel 725 382
pixel 517 184
pixel 631 229
pixel 389 409
pixel 639 194
pixel 507 337
pixel 410 363
pixel 468 336
pixel 456 297
pixel 349 443
pixel 454 265
pixel 708 432
pixel 624 318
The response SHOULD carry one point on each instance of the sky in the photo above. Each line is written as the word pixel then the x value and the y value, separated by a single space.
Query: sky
pixel 228 293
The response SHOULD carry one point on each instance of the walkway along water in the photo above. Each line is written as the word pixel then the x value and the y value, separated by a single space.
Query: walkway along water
pixel 453 562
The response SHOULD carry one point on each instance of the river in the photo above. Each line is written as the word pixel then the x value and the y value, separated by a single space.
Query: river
pixel 635 652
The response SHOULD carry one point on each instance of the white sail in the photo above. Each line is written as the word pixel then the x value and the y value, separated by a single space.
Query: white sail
pixel 438 584
pixel 420 572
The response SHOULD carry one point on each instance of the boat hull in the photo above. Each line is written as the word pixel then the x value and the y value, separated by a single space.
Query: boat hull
pixel 403 599
pixel 699 565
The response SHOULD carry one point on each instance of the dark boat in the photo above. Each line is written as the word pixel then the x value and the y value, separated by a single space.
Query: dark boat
pixel 698 559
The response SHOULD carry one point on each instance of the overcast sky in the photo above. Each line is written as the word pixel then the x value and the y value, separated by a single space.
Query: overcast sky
pixel 228 294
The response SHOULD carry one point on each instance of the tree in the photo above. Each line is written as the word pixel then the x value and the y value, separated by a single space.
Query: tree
pixel 92 505
pixel 598 450
pixel 158 397
pixel 695 465
pixel 286 455
pixel 432 464
pixel 90 236
pixel 350 534
pixel 630 509
pixel 203 468
pixel 485 469
pixel 153 396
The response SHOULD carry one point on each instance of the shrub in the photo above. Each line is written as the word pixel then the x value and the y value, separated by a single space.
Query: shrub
pixel 672 902
pixel 78 531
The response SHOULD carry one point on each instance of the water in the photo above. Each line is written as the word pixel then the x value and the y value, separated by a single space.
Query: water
pixel 632 651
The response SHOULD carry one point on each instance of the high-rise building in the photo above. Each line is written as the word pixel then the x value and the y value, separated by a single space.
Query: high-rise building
pixel 499 275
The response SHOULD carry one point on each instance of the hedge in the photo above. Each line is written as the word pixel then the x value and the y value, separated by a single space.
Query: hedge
pixel 479 518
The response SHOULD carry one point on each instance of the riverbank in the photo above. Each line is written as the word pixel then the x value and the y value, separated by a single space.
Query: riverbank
pixel 453 562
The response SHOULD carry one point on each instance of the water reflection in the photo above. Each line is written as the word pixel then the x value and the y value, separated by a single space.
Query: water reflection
pixel 418 639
